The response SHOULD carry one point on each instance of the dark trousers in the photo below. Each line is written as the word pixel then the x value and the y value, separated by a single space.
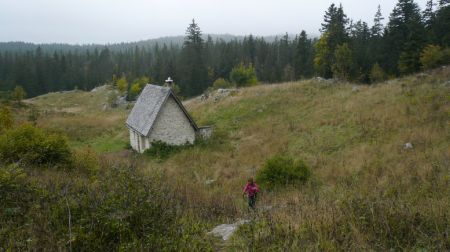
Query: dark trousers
pixel 252 201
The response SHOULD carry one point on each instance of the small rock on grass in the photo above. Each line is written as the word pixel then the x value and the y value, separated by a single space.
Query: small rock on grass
pixel 226 230
pixel 408 146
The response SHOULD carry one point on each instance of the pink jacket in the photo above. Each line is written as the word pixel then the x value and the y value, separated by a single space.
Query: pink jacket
pixel 251 189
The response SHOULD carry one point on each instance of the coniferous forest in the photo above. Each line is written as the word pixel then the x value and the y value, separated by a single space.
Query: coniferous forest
pixel 409 40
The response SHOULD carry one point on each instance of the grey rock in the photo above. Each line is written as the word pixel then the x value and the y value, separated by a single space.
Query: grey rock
pixel 209 181
pixel 408 146
pixel 226 230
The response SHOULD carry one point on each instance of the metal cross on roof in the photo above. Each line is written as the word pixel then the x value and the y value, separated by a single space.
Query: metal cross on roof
pixel 169 80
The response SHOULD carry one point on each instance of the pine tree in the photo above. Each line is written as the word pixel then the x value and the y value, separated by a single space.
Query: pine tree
pixel 428 18
pixel 429 14
pixel 343 65
pixel 249 49
pixel 442 23
pixel 375 44
pixel 405 38
pixel 194 78
pixel 335 27
pixel 323 57
pixel 377 28
pixel 303 57
pixel 284 53
pixel 360 45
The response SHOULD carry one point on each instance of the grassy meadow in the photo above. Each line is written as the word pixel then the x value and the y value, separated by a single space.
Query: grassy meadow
pixel 367 191
pixel 84 117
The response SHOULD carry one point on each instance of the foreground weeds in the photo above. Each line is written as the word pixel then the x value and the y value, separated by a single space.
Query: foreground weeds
pixel 118 209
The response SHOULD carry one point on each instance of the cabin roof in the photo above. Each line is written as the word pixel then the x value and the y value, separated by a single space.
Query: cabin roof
pixel 148 106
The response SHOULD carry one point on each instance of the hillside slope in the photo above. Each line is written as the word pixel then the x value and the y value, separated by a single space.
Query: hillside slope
pixel 367 190
pixel 338 129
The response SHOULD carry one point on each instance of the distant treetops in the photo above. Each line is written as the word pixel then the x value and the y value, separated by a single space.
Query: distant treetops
pixel 349 50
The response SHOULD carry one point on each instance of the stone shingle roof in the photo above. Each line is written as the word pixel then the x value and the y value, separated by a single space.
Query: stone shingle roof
pixel 147 107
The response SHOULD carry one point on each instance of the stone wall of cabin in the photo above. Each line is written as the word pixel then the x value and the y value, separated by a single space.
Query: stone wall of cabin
pixel 171 126
pixel 135 140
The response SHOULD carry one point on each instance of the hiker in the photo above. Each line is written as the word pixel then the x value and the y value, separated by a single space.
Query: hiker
pixel 251 189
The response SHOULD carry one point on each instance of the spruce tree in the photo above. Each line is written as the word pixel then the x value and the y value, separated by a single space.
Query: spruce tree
pixel 405 38
pixel 441 24
pixel 375 51
pixel 360 45
pixel 335 27
pixel 303 57
pixel 194 72
pixel 429 17
pixel 377 28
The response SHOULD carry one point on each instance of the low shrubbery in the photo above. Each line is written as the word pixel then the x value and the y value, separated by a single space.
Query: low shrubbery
pixel 86 160
pixel 122 209
pixel 433 56
pixel 221 83
pixel 33 146
pixel 243 76
pixel 161 150
pixel 281 171
pixel 6 118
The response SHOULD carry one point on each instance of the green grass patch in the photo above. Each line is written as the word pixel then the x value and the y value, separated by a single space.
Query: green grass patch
pixel 105 143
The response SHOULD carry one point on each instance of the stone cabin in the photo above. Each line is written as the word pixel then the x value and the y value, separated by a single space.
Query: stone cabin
pixel 159 115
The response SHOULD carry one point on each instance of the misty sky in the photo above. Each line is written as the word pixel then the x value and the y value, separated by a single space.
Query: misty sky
pixel 103 21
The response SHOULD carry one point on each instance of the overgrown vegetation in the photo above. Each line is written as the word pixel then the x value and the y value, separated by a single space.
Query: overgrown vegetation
pixel 161 150
pixel 243 76
pixel 121 209
pixel 281 171
pixel 33 146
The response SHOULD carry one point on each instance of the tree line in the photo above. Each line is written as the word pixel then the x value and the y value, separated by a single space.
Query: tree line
pixel 349 50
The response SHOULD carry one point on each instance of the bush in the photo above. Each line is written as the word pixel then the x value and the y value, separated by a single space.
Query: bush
pixel 13 186
pixel 243 75
pixel 281 171
pixel 122 84
pixel 112 99
pixel 6 118
pixel 162 150
pixel 17 197
pixel 33 146
pixel 135 90
pixel 377 74
pixel 18 94
pixel 433 56
pixel 121 210
pixel 221 83
pixel 86 160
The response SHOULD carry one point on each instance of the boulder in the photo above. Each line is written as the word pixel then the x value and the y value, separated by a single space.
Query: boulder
pixel 408 146
pixel 226 230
